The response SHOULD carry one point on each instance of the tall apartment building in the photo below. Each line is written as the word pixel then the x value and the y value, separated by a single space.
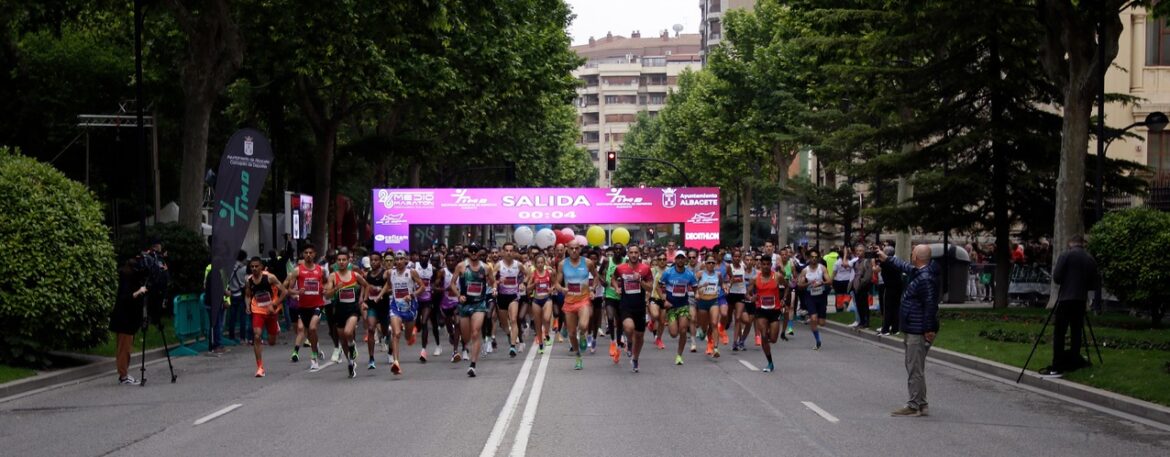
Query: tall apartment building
pixel 711 24
pixel 622 77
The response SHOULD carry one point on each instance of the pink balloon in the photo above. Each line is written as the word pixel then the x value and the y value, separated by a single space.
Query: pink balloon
pixel 581 240
pixel 568 231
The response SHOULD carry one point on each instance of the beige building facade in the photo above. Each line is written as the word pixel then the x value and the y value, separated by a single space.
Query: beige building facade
pixel 622 77
pixel 711 25
pixel 1141 69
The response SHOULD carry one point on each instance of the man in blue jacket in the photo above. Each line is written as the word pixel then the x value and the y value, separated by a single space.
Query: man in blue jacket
pixel 918 319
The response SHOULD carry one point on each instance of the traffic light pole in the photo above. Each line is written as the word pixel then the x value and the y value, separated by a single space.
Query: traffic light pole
pixel 686 180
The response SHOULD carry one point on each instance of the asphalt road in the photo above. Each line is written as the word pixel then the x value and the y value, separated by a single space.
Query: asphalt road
pixel 835 401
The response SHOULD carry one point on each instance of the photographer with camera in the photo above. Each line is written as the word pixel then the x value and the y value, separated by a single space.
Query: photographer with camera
pixel 126 317
pixel 154 261
pixel 919 320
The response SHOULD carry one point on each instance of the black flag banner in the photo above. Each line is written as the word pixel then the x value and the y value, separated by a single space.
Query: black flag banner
pixel 242 171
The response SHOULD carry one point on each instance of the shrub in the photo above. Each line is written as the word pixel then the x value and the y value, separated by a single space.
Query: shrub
pixel 187 254
pixel 58 278
pixel 1128 246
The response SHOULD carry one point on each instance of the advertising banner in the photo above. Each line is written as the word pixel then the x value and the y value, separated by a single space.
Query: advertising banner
pixel 242 171
pixel 395 210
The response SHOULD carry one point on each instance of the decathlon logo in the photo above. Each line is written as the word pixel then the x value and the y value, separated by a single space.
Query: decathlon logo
pixel 392 219
pixel 702 236
pixel 703 218
pixel 669 198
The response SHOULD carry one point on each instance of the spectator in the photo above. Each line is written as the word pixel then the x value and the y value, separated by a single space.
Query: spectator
pixel 237 315
pixel 126 317
pixel 891 298
pixel 919 321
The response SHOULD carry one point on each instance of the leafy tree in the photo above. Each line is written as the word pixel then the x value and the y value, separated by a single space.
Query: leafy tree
pixel 1123 243
pixel 43 309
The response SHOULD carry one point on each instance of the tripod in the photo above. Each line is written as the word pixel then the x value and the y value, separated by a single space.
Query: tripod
pixel 1040 336
pixel 146 321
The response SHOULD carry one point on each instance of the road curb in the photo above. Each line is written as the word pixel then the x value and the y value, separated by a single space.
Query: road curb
pixel 96 365
pixel 1088 394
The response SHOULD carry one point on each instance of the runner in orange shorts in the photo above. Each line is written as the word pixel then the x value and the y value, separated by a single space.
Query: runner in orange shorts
pixel 573 277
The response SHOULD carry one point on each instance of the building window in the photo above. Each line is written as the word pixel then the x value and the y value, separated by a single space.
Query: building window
pixel 657 99
pixel 593 154
pixel 713 6
pixel 1158 155
pixel 1157 43
pixel 619 118
pixel 615 137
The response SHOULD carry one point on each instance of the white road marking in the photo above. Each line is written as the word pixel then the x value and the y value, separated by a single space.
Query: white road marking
pixel 748 365
pixel 821 412
pixel 216 414
pixel 505 418
pixel 520 445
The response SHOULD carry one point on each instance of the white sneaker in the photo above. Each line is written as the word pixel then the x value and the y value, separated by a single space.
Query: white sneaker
pixel 313 365
pixel 853 325
pixel 129 381
pixel 438 350
pixel 336 355
pixel 520 347
pixel 465 357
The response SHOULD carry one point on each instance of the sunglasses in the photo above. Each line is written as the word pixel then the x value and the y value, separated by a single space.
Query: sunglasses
pixel 692 257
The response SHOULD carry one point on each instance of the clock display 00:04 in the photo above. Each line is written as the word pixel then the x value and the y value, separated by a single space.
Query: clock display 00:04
pixel 547 214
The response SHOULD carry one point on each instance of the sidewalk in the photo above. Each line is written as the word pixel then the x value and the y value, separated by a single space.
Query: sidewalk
pixel 1102 398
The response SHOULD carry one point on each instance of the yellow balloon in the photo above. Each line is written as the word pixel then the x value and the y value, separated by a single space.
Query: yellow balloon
pixel 595 235
pixel 620 235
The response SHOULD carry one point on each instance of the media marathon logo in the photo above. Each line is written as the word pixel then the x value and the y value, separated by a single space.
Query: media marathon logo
pixel 406 200
pixel 703 218
pixel 392 219
pixel 239 206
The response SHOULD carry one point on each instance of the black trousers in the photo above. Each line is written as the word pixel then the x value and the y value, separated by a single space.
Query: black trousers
pixel 1070 320
pixel 891 308
pixel 862 296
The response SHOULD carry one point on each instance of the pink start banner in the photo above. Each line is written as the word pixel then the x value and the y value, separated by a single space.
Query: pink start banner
pixel 395 210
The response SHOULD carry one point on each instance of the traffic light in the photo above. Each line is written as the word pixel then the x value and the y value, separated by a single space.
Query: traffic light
pixel 611 161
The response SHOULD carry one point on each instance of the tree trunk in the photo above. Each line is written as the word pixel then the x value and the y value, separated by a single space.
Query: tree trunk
pixel 323 197
pixel 902 236
pixel 415 174
pixel 783 160
pixel 999 178
pixel 196 117
pixel 1070 182
pixel 745 211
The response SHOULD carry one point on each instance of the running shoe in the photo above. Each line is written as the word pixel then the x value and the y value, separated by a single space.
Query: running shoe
pixel 716 353
pixel 817 347
pixel 521 347
pixel 352 372
pixel 612 348
pixel 128 380
pixel 410 339
pixel 389 358
pixel 470 372
pixel 579 365
pixel 769 368
pixel 313 365
pixel 561 336
pixel 455 357
pixel 295 357
pixel 658 343
pixel 371 365
pixel 629 353
pixel 783 336
pixel 591 343
pixel 723 336
pixel 700 334
pixel 758 340
pixel 790 331
pixel 617 355
pixel 735 347
pixel 493 344
pixel 336 355
pixel 710 347
pixel 678 360
pixel 512 352
pixel 353 353
pixel 465 357
pixel 396 369
pixel 540 349
pixel 634 365
pixel 694 348
pixel 259 372
pixel 438 351
pixel 422 356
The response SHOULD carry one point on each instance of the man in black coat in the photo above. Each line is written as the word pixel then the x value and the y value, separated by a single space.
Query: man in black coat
pixel 1076 274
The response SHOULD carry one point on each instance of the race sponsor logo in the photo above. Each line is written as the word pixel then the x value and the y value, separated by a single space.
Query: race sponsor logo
pixel 391 239
pixel 669 198
pixel 464 200
pixel 248 146
pixel 702 236
pixel 392 219
pixel 698 199
pixel 619 200
pixel 544 201
pixel 703 218
pixel 406 199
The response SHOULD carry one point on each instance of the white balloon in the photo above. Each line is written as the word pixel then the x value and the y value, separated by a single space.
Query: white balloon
pixel 545 238
pixel 568 231
pixel 523 236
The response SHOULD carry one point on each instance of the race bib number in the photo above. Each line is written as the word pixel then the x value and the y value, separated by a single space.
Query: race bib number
pixel 509 280
pixel 737 279
pixel 347 295
pixel 312 287
pixel 452 295
pixel 474 289
pixel 632 285
pixel 263 299
pixel 710 289
pixel 767 302
pixel 575 288
pixel 401 293
pixel 374 290
pixel 426 282
pixel 542 288
pixel 679 290
pixel 818 290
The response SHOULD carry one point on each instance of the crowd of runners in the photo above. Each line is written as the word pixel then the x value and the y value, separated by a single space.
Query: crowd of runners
pixel 531 298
